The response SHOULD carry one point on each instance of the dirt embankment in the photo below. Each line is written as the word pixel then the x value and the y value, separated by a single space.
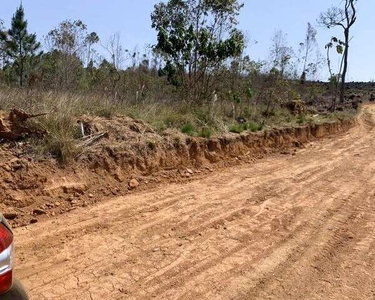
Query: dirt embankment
pixel 286 227
pixel 131 156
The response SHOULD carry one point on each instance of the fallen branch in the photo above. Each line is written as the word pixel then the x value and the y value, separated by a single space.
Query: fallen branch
pixel 93 139
pixel 22 116
pixel 88 141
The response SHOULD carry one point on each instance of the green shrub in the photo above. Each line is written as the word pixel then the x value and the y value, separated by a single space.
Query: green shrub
pixel 301 119
pixel 206 133
pixel 188 129
pixel 252 127
pixel 237 128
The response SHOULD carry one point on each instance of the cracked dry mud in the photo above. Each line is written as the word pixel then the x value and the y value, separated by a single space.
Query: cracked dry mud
pixel 295 227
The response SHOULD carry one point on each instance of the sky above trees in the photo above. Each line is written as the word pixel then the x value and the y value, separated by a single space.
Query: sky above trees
pixel 259 20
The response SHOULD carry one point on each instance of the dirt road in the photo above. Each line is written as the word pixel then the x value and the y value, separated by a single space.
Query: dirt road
pixel 287 227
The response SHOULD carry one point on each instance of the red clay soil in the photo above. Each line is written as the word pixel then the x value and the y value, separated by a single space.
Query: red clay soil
pixel 131 156
pixel 285 227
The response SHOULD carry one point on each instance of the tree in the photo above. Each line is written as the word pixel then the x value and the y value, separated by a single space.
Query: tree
pixel 334 79
pixel 344 18
pixel 3 55
pixel 307 48
pixel 57 71
pixel 115 50
pixel 73 43
pixel 73 39
pixel 20 46
pixel 281 53
pixel 195 37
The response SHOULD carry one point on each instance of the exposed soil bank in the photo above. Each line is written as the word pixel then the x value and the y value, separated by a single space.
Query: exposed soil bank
pixel 114 166
pixel 286 227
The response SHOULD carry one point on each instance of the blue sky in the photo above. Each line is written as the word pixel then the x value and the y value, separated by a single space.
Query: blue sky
pixel 259 19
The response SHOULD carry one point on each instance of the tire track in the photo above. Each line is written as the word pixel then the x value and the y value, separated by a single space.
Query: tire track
pixel 297 227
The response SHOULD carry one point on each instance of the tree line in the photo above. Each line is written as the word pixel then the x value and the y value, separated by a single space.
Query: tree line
pixel 199 56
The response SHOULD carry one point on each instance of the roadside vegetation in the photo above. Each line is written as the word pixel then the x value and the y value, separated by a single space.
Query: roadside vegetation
pixel 197 79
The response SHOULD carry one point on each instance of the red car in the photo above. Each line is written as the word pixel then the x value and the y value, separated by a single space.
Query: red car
pixel 10 288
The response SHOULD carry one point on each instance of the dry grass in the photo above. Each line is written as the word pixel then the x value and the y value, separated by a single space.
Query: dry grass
pixel 64 108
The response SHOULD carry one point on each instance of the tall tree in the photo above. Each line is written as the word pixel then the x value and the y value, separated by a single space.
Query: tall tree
pixel 344 18
pixel 20 46
pixel 115 50
pixel 307 48
pixel 72 41
pixel 281 53
pixel 195 37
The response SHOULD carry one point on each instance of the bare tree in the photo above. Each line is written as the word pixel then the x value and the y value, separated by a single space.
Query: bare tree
pixel 280 52
pixel 345 18
pixel 115 50
pixel 307 49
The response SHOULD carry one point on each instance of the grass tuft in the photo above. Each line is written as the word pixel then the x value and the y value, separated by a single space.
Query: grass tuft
pixel 253 127
pixel 206 133
pixel 61 140
pixel 188 129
